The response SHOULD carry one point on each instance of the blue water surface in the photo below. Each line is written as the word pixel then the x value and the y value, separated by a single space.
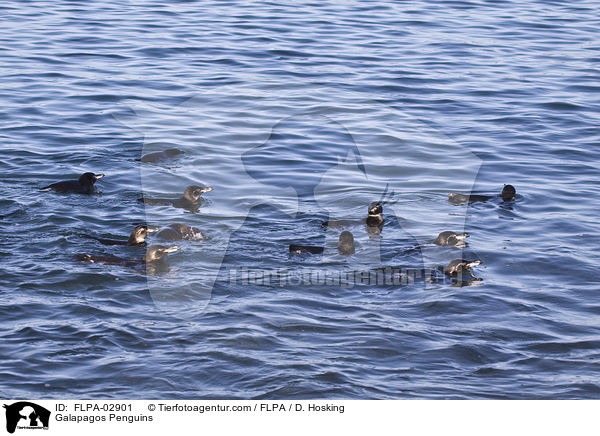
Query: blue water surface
pixel 297 113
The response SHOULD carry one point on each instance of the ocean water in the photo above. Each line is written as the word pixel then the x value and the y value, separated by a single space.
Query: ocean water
pixel 296 114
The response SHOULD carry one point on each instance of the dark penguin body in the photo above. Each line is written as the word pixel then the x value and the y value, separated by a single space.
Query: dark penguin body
pixel 137 237
pixel 304 249
pixel 459 266
pixel 346 243
pixel 508 194
pixel 462 198
pixel 189 200
pixel 340 223
pixel 374 218
pixel 158 156
pixel 178 232
pixel 84 185
pixel 451 238
pixel 108 260
pixel 154 254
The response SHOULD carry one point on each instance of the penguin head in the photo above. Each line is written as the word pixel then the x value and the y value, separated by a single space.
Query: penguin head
pixel 375 208
pixel 89 178
pixel 346 243
pixel 458 266
pixel 346 237
pixel 193 193
pixel 508 192
pixel 451 238
pixel 157 252
pixel 195 234
pixel 139 233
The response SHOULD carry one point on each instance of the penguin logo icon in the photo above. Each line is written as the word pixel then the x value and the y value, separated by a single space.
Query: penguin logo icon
pixel 26 415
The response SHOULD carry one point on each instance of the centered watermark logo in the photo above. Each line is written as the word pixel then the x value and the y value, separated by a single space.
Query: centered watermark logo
pixel 281 165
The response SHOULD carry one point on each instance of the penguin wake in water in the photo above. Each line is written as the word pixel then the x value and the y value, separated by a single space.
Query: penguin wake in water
pixel 84 185
pixel 159 156
pixel 178 232
pixel 137 237
pixel 154 259
pixel 508 194
pixel 451 239
pixel 190 199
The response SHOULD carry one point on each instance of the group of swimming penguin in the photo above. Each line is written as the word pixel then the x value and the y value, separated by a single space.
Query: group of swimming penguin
pixel 155 257
pixel 374 222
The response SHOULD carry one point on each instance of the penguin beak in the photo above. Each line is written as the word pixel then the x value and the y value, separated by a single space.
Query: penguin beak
pixel 152 229
pixel 98 176
pixel 461 236
pixel 198 192
pixel 474 263
pixel 171 249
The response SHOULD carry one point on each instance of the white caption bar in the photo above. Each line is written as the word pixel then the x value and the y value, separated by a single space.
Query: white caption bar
pixel 159 417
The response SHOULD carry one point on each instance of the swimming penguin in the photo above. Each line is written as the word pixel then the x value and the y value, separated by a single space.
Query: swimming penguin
pixel 137 237
pixel 177 232
pixel 459 266
pixel 303 249
pixel 190 199
pixel 154 254
pixel 451 238
pixel 85 184
pixel 374 218
pixel 508 193
pixel 158 156
pixel 346 243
